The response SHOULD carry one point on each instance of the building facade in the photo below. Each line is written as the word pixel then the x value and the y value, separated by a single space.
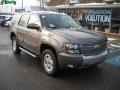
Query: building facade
pixel 67 2
pixel 94 14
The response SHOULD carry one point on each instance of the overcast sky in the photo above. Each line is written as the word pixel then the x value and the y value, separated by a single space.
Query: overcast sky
pixel 27 3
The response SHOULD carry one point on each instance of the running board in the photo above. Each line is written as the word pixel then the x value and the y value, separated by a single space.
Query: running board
pixel 31 54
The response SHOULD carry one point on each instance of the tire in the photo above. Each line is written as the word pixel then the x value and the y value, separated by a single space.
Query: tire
pixel 49 62
pixel 15 46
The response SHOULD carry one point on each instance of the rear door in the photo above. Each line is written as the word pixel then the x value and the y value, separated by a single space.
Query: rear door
pixel 22 29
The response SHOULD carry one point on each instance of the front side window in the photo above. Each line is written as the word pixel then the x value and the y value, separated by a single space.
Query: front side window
pixel 23 21
pixel 33 19
pixel 56 21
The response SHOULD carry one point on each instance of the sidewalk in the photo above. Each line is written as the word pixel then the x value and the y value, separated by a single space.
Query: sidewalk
pixel 114 38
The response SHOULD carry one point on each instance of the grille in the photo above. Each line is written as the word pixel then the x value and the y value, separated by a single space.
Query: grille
pixel 93 48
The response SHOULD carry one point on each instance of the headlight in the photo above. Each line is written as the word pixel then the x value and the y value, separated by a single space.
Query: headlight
pixel 72 48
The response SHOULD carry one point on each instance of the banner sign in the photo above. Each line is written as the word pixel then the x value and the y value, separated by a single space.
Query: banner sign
pixel 9 2
pixel 100 16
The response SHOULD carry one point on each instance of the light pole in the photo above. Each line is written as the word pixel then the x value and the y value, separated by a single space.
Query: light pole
pixel 41 3
pixel 22 4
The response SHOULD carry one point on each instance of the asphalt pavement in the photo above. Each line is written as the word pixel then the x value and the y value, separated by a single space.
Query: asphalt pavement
pixel 23 72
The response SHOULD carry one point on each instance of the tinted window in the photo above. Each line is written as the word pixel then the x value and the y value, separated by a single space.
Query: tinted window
pixel 33 19
pixel 23 21
pixel 58 21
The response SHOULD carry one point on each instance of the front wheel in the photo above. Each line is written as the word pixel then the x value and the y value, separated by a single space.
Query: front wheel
pixel 49 62
pixel 15 46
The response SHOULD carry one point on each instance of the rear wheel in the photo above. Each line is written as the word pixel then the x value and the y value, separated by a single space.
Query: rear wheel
pixel 49 62
pixel 15 46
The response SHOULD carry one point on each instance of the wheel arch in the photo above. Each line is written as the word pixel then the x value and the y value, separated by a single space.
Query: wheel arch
pixel 44 46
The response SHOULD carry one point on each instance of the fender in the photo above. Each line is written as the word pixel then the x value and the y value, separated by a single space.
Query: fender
pixel 50 42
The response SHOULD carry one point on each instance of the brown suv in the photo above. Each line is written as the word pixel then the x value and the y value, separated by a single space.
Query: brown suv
pixel 58 40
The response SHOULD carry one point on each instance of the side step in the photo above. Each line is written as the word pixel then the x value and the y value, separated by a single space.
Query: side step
pixel 31 54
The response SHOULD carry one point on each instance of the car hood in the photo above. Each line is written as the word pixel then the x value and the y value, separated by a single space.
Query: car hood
pixel 76 35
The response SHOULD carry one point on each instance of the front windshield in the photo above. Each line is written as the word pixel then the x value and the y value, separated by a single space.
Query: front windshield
pixel 56 21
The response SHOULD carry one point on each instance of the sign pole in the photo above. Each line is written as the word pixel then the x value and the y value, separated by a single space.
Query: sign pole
pixel 92 25
pixel 110 22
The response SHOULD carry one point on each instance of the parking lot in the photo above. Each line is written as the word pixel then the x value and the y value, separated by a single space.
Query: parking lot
pixel 23 72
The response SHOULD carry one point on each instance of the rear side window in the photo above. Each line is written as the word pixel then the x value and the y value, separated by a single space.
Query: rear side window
pixel 15 19
pixel 23 21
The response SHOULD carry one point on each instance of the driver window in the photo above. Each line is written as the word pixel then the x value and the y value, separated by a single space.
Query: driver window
pixel 34 19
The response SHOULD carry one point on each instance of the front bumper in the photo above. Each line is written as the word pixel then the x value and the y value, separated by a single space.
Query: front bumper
pixel 65 60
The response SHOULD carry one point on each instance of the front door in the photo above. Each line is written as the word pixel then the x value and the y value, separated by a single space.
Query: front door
pixel 33 35
pixel 21 29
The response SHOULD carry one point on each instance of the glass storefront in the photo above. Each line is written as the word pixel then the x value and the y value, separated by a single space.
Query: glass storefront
pixel 103 19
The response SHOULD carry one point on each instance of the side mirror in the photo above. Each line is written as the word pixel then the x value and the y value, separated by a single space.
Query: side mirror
pixel 33 26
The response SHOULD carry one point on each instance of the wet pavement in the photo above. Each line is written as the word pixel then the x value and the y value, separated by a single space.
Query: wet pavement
pixel 23 72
